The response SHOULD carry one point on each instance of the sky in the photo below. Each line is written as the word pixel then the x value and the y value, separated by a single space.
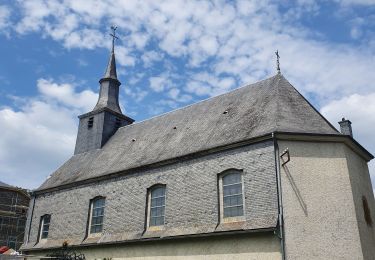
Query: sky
pixel 170 54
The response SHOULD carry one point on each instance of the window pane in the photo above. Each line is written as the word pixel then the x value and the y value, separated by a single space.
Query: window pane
pixel 158 202
pixel 232 178
pixel 98 212
pixel 232 195
pixel 233 189
pixel 156 212
pixel 233 211
pixel 44 234
pixel 158 192
pixel 46 219
pixel 97 215
pixel 159 221
pixel 96 229
pixel 45 226
pixel 98 203
pixel 157 207
pixel 97 220
pixel 235 200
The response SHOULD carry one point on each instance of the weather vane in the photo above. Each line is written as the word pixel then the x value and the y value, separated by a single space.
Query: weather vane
pixel 278 61
pixel 113 34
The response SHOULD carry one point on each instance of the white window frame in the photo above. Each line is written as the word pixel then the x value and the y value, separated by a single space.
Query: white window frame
pixel 96 234
pixel 221 196
pixel 159 227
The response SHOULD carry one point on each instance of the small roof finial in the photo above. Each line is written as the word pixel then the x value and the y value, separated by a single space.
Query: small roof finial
pixel 278 61
pixel 113 34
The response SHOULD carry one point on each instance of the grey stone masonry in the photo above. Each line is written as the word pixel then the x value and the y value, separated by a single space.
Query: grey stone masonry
pixel 346 127
pixel 192 202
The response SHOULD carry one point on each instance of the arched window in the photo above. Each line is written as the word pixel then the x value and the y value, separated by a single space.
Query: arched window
pixel 97 215
pixel 44 226
pixel 231 193
pixel 157 205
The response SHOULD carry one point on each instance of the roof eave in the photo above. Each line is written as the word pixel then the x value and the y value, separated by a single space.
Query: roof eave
pixel 347 139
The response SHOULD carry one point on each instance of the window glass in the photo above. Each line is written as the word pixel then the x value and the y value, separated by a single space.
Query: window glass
pixel 157 206
pixel 232 195
pixel 45 226
pixel 97 214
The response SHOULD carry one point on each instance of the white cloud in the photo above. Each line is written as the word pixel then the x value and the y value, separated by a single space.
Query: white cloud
pixel 205 84
pixel 4 18
pixel 175 95
pixel 40 134
pixel 360 110
pixel 136 93
pixel 236 39
pixel 123 57
pixel 218 45
pixel 356 2
pixel 160 83
pixel 150 57
pixel 82 62
pixel 65 94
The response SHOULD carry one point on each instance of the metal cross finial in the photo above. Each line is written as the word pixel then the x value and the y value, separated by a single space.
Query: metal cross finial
pixel 277 61
pixel 113 34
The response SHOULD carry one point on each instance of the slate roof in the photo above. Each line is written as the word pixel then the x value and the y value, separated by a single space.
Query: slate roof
pixel 257 109
pixel 3 184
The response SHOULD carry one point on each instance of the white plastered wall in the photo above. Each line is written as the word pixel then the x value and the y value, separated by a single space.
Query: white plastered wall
pixel 320 216
pixel 234 247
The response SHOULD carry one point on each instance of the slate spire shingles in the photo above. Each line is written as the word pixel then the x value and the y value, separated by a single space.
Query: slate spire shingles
pixel 109 85
pixel 110 72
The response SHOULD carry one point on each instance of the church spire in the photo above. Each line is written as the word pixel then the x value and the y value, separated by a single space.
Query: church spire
pixel 111 68
pixel 97 127
pixel 109 84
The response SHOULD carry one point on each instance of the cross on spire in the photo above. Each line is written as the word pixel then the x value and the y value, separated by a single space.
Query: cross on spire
pixel 278 61
pixel 113 34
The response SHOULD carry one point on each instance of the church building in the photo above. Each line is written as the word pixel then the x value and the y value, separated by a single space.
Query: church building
pixel 255 173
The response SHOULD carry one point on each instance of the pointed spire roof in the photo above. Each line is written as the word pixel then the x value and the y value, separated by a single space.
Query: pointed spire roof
pixel 109 84
pixel 111 72
pixel 111 68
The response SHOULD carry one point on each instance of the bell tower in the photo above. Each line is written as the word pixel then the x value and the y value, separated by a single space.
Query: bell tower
pixel 96 127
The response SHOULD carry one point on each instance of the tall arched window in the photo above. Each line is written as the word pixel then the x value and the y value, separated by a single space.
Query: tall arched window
pixel 231 190
pixel 157 205
pixel 97 215
pixel 44 226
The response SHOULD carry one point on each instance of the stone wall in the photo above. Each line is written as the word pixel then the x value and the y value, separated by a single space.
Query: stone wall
pixel 191 200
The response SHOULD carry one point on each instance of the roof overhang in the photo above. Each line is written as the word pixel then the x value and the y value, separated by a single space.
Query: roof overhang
pixel 339 138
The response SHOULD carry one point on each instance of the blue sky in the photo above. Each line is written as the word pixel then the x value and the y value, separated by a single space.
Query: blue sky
pixel 171 54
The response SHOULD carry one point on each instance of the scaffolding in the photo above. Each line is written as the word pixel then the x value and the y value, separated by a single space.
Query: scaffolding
pixel 14 203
